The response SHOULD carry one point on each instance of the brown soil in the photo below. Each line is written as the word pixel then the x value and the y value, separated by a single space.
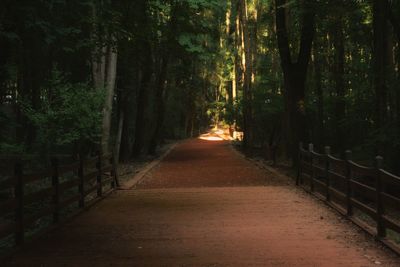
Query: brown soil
pixel 205 205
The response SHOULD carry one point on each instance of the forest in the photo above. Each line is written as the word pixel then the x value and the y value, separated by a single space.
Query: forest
pixel 122 76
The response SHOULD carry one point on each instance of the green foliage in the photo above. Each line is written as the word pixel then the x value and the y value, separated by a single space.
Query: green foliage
pixel 217 111
pixel 203 51
pixel 231 111
pixel 191 42
pixel 7 144
pixel 69 114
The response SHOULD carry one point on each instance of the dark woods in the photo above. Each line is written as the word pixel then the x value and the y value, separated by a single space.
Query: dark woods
pixel 123 76
pixel 77 76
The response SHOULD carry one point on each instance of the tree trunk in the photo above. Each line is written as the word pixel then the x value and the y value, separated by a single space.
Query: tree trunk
pixel 142 101
pixel 393 20
pixel 31 81
pixel 99 53
pixel 294 74
pixel 159 112
pixel 398 79
pixel 119 136
pixel 248 71
pixel 99 67
pixel 237 64
pixel 379 56
pixel 107 109
pixel 320 99
pixel 338 76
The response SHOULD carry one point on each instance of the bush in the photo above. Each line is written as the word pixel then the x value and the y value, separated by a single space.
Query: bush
pixel 70 114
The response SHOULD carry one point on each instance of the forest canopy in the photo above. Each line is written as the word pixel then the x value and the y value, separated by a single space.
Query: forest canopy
pixel 122 76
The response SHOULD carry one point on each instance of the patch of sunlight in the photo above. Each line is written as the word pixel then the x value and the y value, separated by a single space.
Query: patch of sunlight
pixel 210 138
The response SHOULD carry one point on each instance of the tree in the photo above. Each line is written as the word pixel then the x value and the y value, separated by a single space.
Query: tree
pixel 294 72
pixel 380 59
pixel 247 71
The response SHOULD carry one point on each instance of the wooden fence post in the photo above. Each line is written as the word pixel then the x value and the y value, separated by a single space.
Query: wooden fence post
pixel 380 226
pixel 81 186
pixel 299 170
pixel 56 193
pixel 327 180
pixel 310 150
pixel 348 184
pixel 19 210
pixel 99 174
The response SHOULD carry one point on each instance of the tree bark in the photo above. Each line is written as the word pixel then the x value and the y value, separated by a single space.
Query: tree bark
pixel 294 73
pixel 119 136
pixel 99 53
pixel 248 71
pixel 379 56
pixel 99 67
pixel 159 111
pixel 338 76
pixel 147 72
pixel 112 57
pixel 32 72
pixel 146 63
pixel 320 98
pixel 393 20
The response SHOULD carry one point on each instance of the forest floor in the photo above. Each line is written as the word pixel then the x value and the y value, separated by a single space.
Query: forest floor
pixel 207 205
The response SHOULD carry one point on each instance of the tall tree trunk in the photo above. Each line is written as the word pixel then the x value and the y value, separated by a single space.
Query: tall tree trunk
pixel 398 79
pixel 145 79
pixel 112 57
pixel 119 136
pixel 393 20
pixel 99 67
pixel 248 71
pixel 237 64
pixel 159 111
pixel 338 76
pixel 31 81
pixel 380 60
pixel 127 133
pixel 99 52
pixel 294 73
pixel 146 63
pixel 320 98
pixel 391 72
pixel 128 84
pixel 254 38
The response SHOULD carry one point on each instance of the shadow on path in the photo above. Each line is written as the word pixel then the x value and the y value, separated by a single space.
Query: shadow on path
pixel 205 205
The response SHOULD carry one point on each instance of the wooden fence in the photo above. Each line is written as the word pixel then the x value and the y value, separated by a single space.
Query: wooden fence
pixel 36 199
pixel 368 196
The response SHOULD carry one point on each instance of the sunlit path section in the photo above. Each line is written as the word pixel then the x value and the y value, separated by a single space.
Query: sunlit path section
pixel 206 205
pixel 211 137
pixel 217 134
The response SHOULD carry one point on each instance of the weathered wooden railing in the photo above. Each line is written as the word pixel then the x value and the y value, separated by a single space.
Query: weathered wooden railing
pixel 347 186
pixel 38 200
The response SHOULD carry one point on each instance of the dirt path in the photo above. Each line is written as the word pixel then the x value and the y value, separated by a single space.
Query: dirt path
pixel 205 205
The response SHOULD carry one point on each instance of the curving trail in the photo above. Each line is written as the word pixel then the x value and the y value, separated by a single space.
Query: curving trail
pixel 205 205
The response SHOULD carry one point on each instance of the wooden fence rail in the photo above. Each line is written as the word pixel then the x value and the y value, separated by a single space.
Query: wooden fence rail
pixel 347 186
pixel 51 193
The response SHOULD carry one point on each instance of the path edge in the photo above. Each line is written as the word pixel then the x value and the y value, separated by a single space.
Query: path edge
pixel 261 165
pixel 385 243
pixel 138 177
